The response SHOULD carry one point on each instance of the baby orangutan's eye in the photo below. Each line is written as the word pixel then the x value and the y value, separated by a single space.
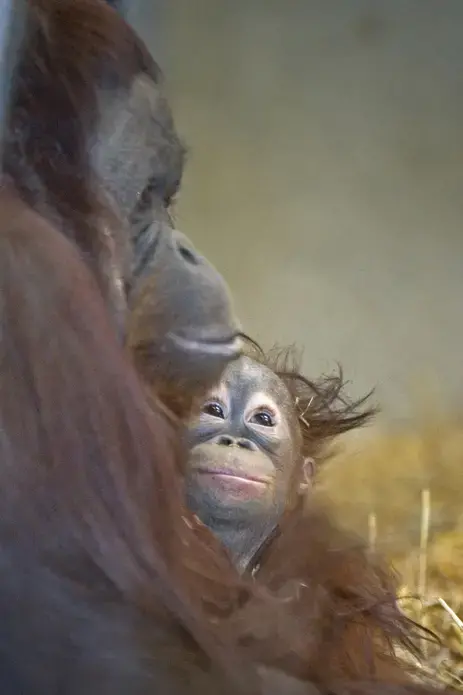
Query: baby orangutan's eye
pixel 214 409
pixel 264 418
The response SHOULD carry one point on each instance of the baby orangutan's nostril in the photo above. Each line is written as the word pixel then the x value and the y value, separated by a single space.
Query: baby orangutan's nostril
pixel 246 444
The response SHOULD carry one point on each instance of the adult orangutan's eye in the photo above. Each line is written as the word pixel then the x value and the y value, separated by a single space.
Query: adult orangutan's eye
pixel 214 409
pixel 264 418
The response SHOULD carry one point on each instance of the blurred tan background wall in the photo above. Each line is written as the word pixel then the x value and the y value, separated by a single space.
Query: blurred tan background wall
pixel 326 174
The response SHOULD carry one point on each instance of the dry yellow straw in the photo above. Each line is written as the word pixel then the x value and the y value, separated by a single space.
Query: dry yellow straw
pixel 372 531
pixel 424 538
pixel 423 559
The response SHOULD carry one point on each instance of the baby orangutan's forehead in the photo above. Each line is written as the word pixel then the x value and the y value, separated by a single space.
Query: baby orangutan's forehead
pixel 248 377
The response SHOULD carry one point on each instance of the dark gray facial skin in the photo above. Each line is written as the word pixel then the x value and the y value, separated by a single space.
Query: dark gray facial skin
pixel 244 449
pixel 179 305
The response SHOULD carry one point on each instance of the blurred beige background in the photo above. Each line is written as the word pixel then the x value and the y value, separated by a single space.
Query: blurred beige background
pixel 325 175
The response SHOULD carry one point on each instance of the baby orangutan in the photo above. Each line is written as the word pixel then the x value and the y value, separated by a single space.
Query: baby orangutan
pixel 253 447
pixel 252 456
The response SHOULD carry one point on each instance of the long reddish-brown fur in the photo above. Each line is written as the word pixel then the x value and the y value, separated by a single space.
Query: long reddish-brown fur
pixel 342 600
pixel 93 546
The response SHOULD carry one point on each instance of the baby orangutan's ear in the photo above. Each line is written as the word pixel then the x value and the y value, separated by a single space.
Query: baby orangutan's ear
pixel 308 472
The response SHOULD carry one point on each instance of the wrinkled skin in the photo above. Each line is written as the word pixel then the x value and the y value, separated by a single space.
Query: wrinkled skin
pixel 245 450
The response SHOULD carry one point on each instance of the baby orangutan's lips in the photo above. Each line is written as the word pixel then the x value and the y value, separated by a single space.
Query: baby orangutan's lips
pixel 232 479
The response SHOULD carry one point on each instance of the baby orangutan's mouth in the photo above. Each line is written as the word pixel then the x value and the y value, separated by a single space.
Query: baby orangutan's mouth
pixel 226 474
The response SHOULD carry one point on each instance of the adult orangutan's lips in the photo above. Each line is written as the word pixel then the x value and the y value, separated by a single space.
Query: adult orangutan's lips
pixel 229 347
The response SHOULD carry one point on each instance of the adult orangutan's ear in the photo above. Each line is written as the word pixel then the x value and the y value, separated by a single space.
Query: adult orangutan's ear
pixel 308 473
